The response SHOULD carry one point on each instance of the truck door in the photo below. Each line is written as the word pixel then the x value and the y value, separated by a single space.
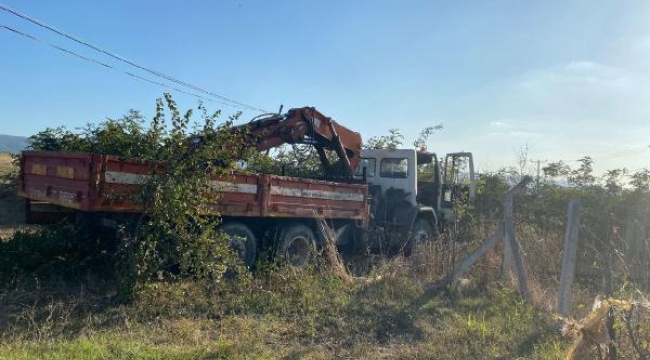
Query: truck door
pixel 459 182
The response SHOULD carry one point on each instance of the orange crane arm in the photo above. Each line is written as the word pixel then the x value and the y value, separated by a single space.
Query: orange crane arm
pixel 307 125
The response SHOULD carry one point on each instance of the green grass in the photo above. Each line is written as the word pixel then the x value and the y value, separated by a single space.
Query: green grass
pixel 279 315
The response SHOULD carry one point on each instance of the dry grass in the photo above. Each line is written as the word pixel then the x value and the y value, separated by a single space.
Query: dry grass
pixel 282 314
pixel 371 308
pixel 382 312
pixel 5 163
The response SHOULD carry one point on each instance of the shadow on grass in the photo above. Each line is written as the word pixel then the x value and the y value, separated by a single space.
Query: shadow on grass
pixel 44 309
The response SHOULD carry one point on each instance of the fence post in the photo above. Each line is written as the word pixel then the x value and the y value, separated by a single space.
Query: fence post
pixel 569 252
pixel 487 244
pixel 508 217
pixel 512 253
pixel 504 231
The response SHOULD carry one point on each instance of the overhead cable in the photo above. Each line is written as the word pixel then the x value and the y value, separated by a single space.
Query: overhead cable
pixel 72 53
pixel 42 24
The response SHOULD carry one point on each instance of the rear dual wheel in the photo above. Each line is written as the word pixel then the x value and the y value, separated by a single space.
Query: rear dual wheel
pixel 297 245
pixel 423 231
pixel 242 240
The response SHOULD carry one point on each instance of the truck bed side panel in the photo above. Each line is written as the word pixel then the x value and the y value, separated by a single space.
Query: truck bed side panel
pixel 296 197
pixel 107 183
pixel 120 186
pixel 64 179
pixel 238 195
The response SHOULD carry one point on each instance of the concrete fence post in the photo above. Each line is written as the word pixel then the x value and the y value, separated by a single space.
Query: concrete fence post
pixel 569 252
pixel 504 231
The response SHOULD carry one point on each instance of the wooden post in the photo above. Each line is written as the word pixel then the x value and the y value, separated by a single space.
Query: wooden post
pixel 569 257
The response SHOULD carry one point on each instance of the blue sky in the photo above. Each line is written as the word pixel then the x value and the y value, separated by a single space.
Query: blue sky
pixel 565 78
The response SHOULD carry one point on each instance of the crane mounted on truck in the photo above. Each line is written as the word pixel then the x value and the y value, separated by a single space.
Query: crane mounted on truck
pixel 371 198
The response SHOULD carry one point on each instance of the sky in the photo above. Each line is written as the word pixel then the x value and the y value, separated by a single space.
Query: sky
pixel 561 78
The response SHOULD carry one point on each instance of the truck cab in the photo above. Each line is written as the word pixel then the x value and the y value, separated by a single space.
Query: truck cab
pixel 413 192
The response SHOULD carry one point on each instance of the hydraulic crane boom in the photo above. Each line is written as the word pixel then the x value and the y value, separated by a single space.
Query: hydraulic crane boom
pixel 307 125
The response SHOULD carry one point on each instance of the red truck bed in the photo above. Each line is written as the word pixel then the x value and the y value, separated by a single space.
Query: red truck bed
pixel 105 183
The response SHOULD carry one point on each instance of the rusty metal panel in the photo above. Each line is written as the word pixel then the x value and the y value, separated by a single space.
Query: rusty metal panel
pixel 66 172
pixel 120 183
pixel 36 169
pixel 309 198
pixel 237 194
pixel 57 178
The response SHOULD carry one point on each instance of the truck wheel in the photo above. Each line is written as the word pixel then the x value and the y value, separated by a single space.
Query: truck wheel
pixel 242 240
pixel 296 245
pixel 422 232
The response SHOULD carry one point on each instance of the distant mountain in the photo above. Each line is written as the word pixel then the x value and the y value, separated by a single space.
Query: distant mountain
pixel 12 144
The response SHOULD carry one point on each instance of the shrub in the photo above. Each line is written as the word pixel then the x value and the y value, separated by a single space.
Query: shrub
pixel 62 251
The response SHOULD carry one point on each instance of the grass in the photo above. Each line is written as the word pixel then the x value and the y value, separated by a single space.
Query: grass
pixel 370 308
pixel 280 314
pixel 380 310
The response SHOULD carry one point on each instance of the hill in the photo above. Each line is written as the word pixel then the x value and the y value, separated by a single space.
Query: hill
pixel 12 144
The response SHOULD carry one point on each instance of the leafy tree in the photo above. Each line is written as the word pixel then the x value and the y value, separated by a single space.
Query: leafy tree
pixel 392 141
pixel 177 227
pixel 613 180
pixel 640 180
pixel 556 169
pixel 423 137
pixel 583 176
pixel 57 139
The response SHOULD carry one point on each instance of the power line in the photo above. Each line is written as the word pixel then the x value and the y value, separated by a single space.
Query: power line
pixel 122 59
pixel 72 53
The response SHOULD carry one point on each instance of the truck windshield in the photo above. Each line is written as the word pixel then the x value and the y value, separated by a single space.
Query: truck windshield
pixel 394 168
pixel 369 164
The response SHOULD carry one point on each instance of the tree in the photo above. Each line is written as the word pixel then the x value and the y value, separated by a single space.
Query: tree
pixel 177 227
pixel 583 176
pixel 391 141
pixel 423 137
pixel 556 169
pixel 640 180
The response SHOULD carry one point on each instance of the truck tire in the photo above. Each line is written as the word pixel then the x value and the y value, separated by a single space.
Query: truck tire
pixel 422 232
pixel 242 240
pixel 296 245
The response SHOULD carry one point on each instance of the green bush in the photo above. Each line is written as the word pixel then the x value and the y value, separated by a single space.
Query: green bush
pixel 58 251
pixel 614 235
pixel 177 228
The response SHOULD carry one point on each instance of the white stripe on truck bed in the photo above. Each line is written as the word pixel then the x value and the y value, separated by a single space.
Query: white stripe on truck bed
pixel 119 177
pixel 225 186
pixel 316 194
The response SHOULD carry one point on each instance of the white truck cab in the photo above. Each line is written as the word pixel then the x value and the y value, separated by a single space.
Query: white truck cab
pixel 391 169
pixel 413 191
